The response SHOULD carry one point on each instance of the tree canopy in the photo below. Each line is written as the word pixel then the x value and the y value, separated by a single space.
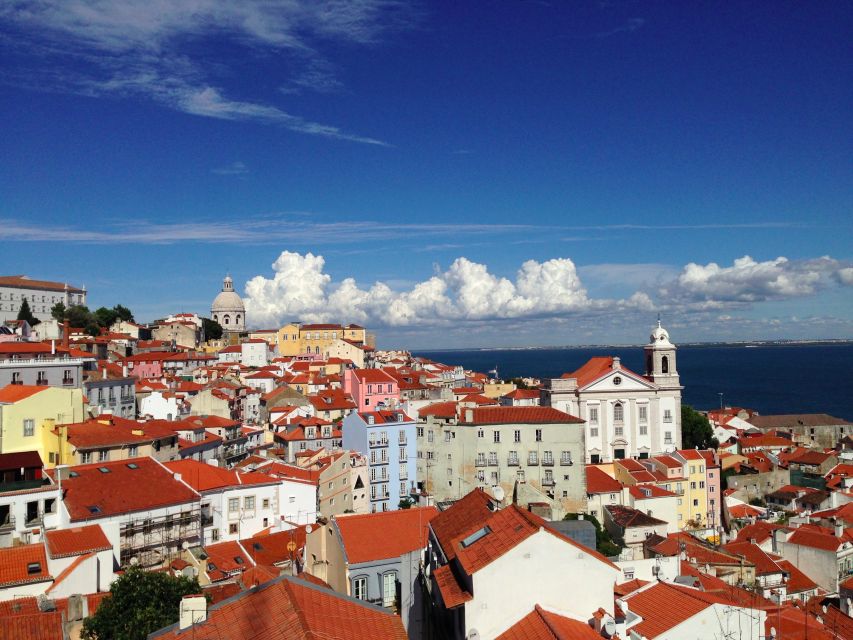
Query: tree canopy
pixel 26 314
pixel 604 544
pixel 212 329
pixel 696 431
pixel 91 322
pixel 140 602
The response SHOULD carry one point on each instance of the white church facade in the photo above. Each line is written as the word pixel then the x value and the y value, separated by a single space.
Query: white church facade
pixel 627 415
pixel 228 309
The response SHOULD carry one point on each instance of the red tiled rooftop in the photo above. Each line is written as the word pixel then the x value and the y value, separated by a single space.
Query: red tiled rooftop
pixel 76 541
pixel 15 392
pixel 517 415
pixel 289 608
pixel 439 410
pixel 452 593
pixel 664 606
pixel 546 625
pixel 14 563
pixel 597 481
pixel 206 477
pixel 400 531
pixel 93 494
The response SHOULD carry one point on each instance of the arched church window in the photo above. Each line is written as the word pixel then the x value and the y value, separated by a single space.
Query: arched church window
pixel 237 320
pixel 227 319
pixel 618 412
pixel 664 364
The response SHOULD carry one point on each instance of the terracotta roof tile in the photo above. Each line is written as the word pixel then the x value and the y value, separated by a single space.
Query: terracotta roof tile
pixel 517 415
pixel 15 563
pixel 400 531
pixel 15 392
pixel 597 481
pixel 664 606
pixel 288 608
pixel 452 593
pixel 76 541
pixel 545 625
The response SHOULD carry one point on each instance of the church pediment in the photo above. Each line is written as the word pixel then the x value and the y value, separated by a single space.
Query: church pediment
pixel 620 380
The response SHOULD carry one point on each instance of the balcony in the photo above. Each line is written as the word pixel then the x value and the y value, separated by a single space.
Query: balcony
pixel 481 462
pixel 378 443
pixel 512 462
pixel 206 520
pixel 548 462
pixel 20 485
pixel 493 462
pixel 533 462
pixel 548 482
pixel 566 462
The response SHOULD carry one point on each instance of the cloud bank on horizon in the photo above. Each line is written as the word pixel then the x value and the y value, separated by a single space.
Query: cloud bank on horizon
pixel 300 289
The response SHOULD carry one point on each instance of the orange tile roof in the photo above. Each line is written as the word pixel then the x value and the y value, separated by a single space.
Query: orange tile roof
pixel 597 481
pixel 596 368
pixel 523 394
pixel 227 557
pixel 517 415
pixel 270 549
pixel 288 608
pixel 467 512
pixel 205 477
pixel 25 282
pixel 452 593
pixel 91 494
pixel 15 392
pixel 797 580
pixel 666 605
pixel 646 491
pixel 373 376
pixel 439 410
pixel 14 562
pixel 75 541
pixel 758 531
pixel 817 538
pixel 631 586
pixel 400 531
pixel 540 624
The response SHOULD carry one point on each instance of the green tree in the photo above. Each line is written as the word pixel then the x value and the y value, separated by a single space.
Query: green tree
pixel 105 317
pixel 123 313
pixel 696 431
pixel 405 503
pixel 58 311
pixel 520 384
pixel 212 329
pixel 140 602
pixel 25 314
pixel 604 544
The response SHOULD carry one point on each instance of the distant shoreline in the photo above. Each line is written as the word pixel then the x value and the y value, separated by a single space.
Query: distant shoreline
pixel 741 343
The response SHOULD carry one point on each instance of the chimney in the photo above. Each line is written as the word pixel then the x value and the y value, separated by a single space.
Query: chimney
pixel 839 528
pixel 53 347
pixel 617 363
pixel 65 336
pixel 193 610
pixel 104 373
pixel 124 370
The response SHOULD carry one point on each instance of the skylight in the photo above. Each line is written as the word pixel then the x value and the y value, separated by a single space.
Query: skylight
pixel 94 508
pixel 132 465
pixel 103 470
pixel 479 533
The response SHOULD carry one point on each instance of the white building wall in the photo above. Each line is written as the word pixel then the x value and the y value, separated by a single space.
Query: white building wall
pixel 663 508
pixel 159 407
pixel 509 588
pixel 719 622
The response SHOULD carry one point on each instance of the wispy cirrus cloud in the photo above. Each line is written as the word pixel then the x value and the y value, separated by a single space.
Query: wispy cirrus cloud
pixel 156 49
pixel 628 27
pixel 236 168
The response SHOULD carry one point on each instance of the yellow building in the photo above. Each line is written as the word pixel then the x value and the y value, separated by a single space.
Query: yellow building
pixel 301 339
pixel 28 415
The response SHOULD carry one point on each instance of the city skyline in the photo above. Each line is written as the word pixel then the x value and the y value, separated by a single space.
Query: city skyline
pixel 501 175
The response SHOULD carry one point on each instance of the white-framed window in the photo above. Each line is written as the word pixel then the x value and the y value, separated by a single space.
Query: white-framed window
pixel 644 429
pixel 516 435
pixel 29 427
pixel 85 457
pixel 249 503
pixel 618 412
pixel 593 432
pixel 496 435
pixel 480 433
pixel 103 455
pixel 233 505
pixel 493 457
pixel 643 413
pixel 593 415
pixel 667 415
pixel 539 435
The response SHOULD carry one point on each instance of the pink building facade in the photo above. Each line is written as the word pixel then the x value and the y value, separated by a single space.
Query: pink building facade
pixel 370 387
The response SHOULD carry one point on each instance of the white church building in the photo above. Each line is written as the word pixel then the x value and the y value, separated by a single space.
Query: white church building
pixel 627 415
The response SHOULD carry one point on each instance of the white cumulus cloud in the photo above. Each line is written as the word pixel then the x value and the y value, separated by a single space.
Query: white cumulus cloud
pixel 299 289
pixel 750 281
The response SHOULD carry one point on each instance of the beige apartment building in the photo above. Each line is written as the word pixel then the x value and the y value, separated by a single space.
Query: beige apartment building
pixel 296 339
pixel 535 452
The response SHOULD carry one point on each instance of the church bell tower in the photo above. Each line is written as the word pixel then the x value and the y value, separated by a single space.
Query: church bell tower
pixel 660 359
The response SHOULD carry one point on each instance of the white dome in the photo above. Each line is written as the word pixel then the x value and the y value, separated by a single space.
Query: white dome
pixel 227 301
pixel 659 335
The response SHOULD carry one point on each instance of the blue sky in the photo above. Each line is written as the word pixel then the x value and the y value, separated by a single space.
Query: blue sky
pixel 452 174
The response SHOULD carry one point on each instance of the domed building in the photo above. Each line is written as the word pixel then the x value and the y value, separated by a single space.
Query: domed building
pixel 228 309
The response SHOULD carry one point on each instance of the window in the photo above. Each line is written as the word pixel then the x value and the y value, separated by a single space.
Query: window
pixel 618 430
pixel 516 436
pixel 532 457
pixel 667 415
pixel 481 476
pixel 519 474
pixel 539 435
pixel 450 477
pixel 593 415
pixel 695 503
pixel 249 503
pixel 692 485
pixel 692 470
pixel 547 457
pixel 497 436
pixel 565 457
pixel 549 477
pixel 233 505
pixel 265 504
pixel 679 502
pixel 103 455
pixel 402 488
pixel 618 412
pixel 420 432
pixel 701 484
pixel 232 529
pixel 447 436
pixel 85 457
pixel 644 430
pixel 664 365
pixel 493 458
pixel 430 455
pixel 667 437
pixel 481 459
pixel 513 458
pixel 480 433
pixel 643 413
pixel 29 427
pixel 711 490
pixel 429 436
pixel 359 588
pixel 132 451
pixel 593 432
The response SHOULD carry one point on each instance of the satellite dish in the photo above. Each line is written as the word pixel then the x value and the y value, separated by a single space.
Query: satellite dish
pixel 499 493
pixel 772 632
pixel 473 634
pixel 610 627
pixel 185 545
pixel 134 561
pixel 309 529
